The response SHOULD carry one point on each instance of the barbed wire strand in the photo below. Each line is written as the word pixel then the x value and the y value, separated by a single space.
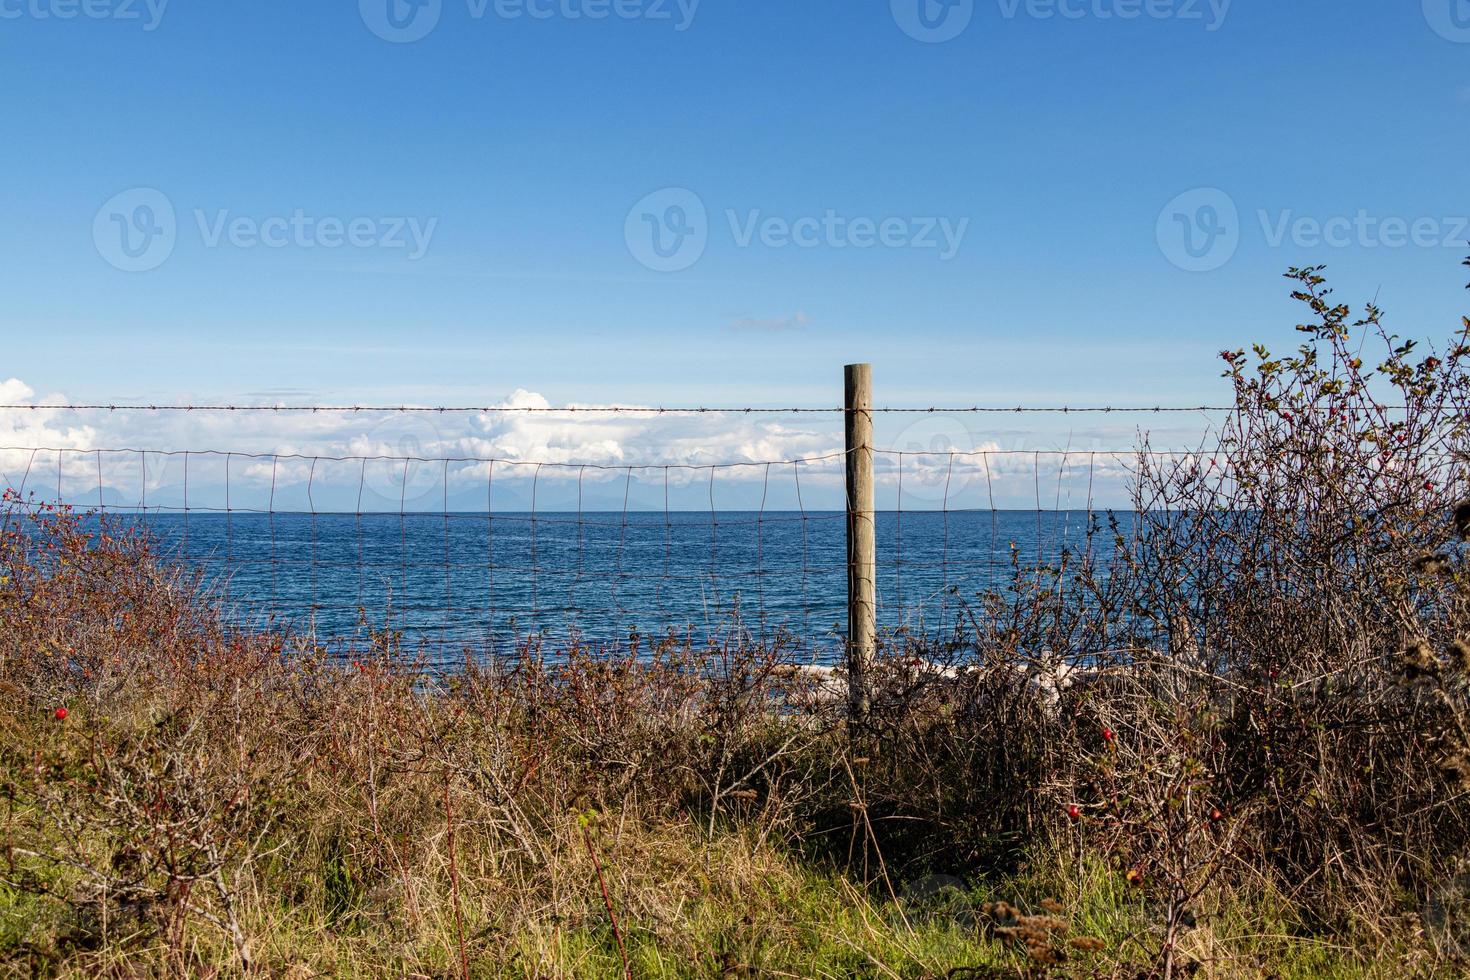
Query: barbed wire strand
pixel 634 409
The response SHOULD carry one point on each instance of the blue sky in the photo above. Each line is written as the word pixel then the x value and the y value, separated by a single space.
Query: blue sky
pixel 522 144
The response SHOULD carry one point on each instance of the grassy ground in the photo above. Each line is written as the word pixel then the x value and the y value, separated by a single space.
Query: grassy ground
pixel 192 802
pixel 218 819
pixel 688 905
pixel 179 798
pixel 1258 764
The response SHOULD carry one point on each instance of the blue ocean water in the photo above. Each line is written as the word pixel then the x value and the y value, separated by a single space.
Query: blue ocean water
pixel 483 581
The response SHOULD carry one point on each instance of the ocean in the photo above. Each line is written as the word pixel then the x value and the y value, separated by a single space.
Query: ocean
pixel 484 581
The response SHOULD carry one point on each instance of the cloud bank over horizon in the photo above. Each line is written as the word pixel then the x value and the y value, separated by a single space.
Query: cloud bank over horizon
pixel 545 459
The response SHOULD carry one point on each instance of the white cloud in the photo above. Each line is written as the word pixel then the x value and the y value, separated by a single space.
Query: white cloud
pixel 24 433
pixel 420 460
pixel 775 324
pixel 143 452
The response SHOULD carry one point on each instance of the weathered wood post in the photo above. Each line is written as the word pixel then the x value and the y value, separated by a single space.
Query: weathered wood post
pixel 862 615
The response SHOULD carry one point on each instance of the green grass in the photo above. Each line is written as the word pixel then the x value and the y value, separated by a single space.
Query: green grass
pixel 700 907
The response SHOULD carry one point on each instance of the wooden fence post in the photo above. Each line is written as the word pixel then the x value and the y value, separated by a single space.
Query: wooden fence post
pixel 862 618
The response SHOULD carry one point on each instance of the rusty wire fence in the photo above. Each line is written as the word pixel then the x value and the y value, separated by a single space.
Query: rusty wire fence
pixel 457 550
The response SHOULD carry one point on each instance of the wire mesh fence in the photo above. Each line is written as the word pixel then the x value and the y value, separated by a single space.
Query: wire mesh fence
pixel 464 552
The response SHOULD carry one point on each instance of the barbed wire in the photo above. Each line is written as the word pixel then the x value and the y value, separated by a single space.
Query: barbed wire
pixel 634 409
pixel 602 467
pixel 654 410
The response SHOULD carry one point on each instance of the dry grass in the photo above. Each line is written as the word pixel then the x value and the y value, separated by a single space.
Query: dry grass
pixel 1229 740
pixel 220 803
